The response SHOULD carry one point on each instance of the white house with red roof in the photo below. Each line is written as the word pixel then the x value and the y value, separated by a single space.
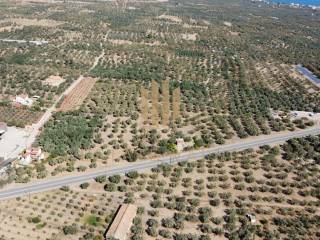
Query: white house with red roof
pixel 31 154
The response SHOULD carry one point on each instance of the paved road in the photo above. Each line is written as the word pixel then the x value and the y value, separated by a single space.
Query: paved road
pixel 54 183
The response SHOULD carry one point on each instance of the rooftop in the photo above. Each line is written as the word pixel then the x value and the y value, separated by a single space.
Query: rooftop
pixel 3 126
pixel 121 224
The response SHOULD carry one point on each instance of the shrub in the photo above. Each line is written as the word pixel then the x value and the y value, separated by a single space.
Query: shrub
pixel 110 187
pixel 70 229
pixel 115 179
pixel 84 185
pixel 100 179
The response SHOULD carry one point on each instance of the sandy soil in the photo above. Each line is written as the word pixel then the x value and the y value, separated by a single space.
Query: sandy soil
pixel 127 42
pixel 33 22
pixel 170 18
pixel 228 24
pixel 185 25
pixel 54 81
pixel 10 28
pixel 75 98
pixel 120 42
pixel 189 36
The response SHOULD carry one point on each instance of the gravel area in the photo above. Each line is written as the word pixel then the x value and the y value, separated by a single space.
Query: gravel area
pixel 13 142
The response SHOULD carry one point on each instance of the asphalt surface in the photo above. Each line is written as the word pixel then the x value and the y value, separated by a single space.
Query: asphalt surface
pixel 55 183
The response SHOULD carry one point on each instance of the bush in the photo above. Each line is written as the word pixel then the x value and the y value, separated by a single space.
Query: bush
pixel 131 156
pixel 152 231
pixel 110 187
pixel 100 179
pixel 67 133
pixel 84 185
pixel 165 233
pixel 152 223
pixel 65 188
pixel 115 179
pixel 133 174
pixel 35 219
pixel 70 229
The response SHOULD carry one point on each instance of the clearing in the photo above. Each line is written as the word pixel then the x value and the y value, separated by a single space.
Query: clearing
pixel 54 81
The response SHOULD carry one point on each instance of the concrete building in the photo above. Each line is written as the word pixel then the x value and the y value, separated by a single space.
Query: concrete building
pixel 3 128
pixel 181 145
pixel 251 218
pixel 23 100
pixel 121 224
pixel 32 154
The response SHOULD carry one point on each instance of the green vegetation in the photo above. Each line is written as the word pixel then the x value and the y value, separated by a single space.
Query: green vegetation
pixel 67 134
pixel 70 230
pixel 234 64
pixel 93 220
pixel 199 199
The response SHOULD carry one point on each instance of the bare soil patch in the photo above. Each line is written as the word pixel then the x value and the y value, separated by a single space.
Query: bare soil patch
pixel 54 81
pixel 34 22
pixel 228 24
pixel 120 42
pixel 75 98
pixel 9 28
pixel 185 25
pixel 170 18
pixel 189 36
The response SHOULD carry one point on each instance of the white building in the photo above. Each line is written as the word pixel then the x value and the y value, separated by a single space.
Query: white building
pixel 181 145
pixel 32 154
pixel 23 100
pixel 251 218
pixel 3 128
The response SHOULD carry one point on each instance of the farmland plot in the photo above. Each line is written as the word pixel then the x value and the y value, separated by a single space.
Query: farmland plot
pixel 18 116
pixel 74 100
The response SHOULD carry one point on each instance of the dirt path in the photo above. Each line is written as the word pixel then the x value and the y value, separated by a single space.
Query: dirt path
pixel 97 59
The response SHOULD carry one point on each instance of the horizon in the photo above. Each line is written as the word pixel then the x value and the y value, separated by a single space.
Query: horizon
pixel 303 2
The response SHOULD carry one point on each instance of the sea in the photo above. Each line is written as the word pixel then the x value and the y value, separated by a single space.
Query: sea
pixel 302 2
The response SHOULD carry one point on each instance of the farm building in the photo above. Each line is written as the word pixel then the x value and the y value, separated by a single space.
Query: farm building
pixel 23 100
pixel 181 144
pixel 3 128
pixel 251 218
pixel 32 154
pixel 121 224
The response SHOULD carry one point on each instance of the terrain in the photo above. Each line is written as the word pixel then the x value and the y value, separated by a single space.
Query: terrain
pixel 204 199
pixel 119 83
